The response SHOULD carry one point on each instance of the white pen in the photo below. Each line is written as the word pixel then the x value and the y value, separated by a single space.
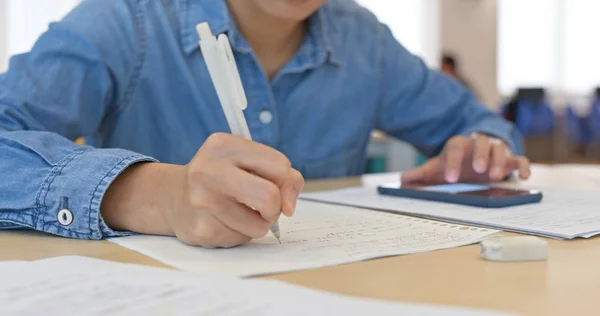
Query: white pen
pixel 228 84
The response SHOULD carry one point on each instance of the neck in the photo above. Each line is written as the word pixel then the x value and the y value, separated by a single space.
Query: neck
pixel 262 30
pixel 273 40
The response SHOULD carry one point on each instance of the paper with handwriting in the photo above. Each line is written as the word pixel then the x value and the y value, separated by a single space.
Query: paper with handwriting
pixel 318 235
pixel 562 214
pixel 83 286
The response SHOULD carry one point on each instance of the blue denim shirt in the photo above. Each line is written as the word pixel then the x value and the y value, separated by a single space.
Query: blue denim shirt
pixel 130 75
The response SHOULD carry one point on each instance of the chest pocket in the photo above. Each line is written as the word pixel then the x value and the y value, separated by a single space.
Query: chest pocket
pixel 347 163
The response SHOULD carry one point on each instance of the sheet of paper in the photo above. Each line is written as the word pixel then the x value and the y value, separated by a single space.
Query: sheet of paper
pixel 318 235
pixel 583 177
pixel 563 214
pixel 82 286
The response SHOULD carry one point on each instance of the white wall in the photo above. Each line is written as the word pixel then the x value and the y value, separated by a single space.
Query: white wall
pixel 468 28
pixel 413 22
pixel 22 22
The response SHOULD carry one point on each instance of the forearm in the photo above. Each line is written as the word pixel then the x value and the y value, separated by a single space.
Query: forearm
pixel 138 198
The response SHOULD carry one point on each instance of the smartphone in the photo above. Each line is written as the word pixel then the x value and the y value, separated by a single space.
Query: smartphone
pixel 465 194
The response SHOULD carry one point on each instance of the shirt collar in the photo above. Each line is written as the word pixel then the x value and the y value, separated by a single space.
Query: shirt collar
pixel 316 49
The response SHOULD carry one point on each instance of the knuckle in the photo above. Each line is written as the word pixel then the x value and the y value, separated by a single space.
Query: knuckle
pixel 523 161
pixel 205 234
pixel 270 197
pixel 202 173
pixel 230 243
pixel 454 146
pixel 217 141
pixel 457 139
pixel 282 163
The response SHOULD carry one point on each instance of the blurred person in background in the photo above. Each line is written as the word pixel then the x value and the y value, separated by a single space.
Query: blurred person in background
pixel 451 68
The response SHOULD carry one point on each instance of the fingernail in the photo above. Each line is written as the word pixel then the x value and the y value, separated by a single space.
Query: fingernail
pixel 452 176
pixel 479 166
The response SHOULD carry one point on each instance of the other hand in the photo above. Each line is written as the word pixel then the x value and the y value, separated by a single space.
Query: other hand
pixel 476 159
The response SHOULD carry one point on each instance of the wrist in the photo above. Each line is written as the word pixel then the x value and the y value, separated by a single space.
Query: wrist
pixel 140 197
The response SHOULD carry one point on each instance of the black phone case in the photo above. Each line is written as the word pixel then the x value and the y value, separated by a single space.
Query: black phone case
pixel 470 200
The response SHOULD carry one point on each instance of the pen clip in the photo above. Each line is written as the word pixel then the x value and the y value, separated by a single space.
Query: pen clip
pixel 231 69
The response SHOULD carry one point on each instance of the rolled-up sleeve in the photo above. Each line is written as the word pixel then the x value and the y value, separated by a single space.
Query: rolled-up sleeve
pixel 81 70
pixel 50 176
pixel 425 107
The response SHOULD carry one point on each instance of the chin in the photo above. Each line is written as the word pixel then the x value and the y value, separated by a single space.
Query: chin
pixel 293 10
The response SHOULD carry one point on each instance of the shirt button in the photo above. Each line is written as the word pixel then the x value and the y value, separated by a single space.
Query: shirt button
pixel 266 117
pixel 65 217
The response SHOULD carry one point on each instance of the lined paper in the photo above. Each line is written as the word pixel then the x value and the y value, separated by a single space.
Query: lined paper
pixel 562 214
pixel 319 235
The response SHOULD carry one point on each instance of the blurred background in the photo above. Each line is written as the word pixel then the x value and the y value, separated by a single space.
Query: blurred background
pixel 537 62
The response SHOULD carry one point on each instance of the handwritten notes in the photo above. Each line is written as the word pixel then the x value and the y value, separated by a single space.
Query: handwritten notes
pixel 563 214
pixel 318 235
pixel 83 286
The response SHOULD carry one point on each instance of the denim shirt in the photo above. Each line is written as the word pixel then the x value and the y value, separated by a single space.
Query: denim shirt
pixel 129 74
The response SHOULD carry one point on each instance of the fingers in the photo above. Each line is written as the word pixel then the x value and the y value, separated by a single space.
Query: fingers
pixel 236 189
pixel 454 154
pixel 242 219
pixel 414 175
pixel 498 164
pixel 209 232
pixel 256 158
pixel 290 190
pixel 241 186
pixel 522 164
pixel 263 178
pixel 424 174
pixel 481 153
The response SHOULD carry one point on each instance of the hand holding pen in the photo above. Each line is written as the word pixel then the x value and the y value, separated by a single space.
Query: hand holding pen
pixel 232 191
pixel 221 64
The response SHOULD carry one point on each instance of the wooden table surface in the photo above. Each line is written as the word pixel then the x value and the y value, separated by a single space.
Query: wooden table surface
pixel 567 284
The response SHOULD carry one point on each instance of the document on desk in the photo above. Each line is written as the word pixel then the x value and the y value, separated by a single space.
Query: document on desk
pixel 581 177
pixel 83 286
pixel 318 235
pixel 562 214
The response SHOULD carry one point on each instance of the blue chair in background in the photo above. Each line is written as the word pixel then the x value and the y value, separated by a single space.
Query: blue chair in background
pixel 534 118
pixel 594 117
pixel 532 114
pixel 579 131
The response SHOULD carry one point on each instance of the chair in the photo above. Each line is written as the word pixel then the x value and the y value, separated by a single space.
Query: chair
pixel 579 132
pixel 534 118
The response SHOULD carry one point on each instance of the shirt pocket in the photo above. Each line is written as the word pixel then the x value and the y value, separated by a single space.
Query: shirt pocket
pixel 341 164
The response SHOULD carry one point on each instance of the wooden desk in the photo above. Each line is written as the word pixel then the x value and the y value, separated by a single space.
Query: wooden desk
pixel 568 284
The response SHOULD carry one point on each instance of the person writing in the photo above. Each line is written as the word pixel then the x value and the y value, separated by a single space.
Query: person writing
pixel 319 77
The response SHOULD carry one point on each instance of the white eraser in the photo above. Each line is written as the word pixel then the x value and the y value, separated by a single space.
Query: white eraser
pixel 512 249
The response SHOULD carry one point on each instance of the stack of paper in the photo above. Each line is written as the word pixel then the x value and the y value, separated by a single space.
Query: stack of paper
pixel 562 214
pixel 563 176
pixel 318 235
pixel 82 286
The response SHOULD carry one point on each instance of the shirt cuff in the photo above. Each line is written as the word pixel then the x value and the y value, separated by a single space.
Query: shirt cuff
pixel 70 197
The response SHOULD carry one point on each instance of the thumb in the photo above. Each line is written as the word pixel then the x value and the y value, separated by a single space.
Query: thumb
pixel 415 175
